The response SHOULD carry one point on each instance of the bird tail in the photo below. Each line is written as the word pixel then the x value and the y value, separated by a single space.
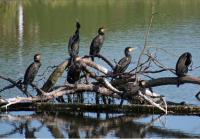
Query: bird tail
pixel 25 87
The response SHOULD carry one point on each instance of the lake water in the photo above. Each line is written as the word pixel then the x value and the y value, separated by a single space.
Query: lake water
pixel 44 26
pixel 56 125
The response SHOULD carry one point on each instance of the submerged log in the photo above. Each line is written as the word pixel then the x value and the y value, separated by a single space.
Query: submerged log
pixel 175 109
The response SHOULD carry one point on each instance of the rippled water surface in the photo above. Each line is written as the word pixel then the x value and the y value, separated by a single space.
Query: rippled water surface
pixel 56 125
pixel 44 26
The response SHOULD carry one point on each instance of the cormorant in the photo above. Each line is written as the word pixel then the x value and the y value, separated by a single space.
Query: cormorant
pixel 97 43
pixel 124 62
pixel 74 71
pixel 73 75
pixel 31 72
pixel 182 65
pixel 73 44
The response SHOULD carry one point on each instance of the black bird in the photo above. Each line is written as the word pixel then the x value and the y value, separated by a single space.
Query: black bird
pixel 73 74
pixel 124 62
pixel 97 43
pixel 182 65
pixel 73 44
pixel 31 72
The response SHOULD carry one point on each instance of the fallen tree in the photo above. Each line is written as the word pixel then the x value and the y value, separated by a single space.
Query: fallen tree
pixel 134 86
pixel 123 87
pixel 173 108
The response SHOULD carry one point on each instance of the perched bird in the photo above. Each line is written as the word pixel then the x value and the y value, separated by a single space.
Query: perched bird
pixel 31 72
pixel 124 62
pixel 182 65
pixel 97 43
pixel 73 44
pixel 73 74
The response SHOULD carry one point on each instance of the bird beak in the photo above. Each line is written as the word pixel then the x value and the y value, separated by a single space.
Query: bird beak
pixel 132 49
pixel 104 29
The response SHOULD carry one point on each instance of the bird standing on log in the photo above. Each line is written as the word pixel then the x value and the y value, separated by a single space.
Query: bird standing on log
pixel 31 72
pixel 73 50
pixel 95 48
pixel 182 65
pixel 73 44
pixel 73 74
pixel 97 43
pixel 124 62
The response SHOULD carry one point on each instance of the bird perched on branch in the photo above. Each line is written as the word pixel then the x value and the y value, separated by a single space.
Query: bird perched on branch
pixel 97 43
pixel 182 65
pixel 73 44
pixel 31 72
pixel 124 62
pixel 73 74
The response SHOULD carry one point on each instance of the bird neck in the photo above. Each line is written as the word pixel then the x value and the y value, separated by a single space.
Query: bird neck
pixel 77 31
pixel 37 62
pixel 101 33
pixel 127 54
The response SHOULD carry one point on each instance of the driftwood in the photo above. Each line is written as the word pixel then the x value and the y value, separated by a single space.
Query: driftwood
pixel 132 86
pixel 124 88
pixel 105 88
pixel 53 78
pixel 173 109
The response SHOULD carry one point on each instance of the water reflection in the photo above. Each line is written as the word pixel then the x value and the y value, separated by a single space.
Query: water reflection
pixel 20 32
pixel 82 125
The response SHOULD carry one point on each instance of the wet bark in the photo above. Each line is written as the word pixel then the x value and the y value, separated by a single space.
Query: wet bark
pixel 173 108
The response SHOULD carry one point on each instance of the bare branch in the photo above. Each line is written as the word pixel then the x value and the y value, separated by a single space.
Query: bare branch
pixel 151 101
pixel 171 81
pixel 100 79
pixel 92 64
pixel 17 84
pixel 158 71
pixel 63 90
pixel 56 74
pixel 103 58
pixel 145 44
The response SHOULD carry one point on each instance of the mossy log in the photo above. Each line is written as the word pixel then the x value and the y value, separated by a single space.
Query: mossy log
pixel 53 78
pixel 176 109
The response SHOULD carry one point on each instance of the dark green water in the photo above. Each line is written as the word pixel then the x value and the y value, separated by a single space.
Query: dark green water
pixel 44 26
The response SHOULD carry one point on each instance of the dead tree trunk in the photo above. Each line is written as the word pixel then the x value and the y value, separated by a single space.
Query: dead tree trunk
pixel 53 78
pixel 175 109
